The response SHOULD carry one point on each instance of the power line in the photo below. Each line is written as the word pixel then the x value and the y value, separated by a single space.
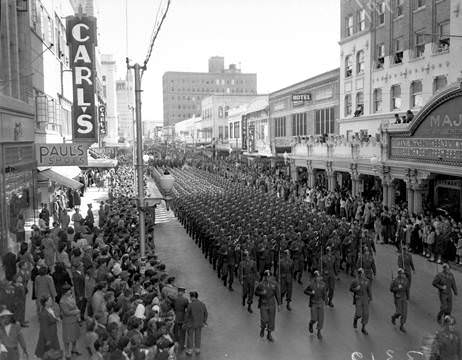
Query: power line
pixel 155 32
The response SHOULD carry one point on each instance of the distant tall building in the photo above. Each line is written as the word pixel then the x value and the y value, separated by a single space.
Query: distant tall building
pixel 88 6
pixel 108 68
pixel 125 106
pixel 184 91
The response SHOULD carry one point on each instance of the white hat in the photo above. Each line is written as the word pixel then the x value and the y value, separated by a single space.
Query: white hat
pixel 139 312
pixel 116 269
pixel 6 312
pixel 156 308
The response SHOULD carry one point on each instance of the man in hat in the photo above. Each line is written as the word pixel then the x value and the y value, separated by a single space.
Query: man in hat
pixel 447 342
pixel 11 336
pixel 400 289
pixel 445 283
pixel 361 289
pixel 180 304
pixel 268 292
pixel 90 219
pixel 195 319
pixel 248 274
pixel 286 273
pixel 317 291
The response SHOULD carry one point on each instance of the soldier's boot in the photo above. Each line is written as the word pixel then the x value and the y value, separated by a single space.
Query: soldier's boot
pixel 363 330
pixel 269 337
pixel 401 327
pixel 243 301
pixel 299 278
pixel 330 303
pixel 319 334
pixel 262 332
pixel 249 309
pixel 355 322
pixel 310 327
pixel 230 287
pixel 288 306
pixel 393 319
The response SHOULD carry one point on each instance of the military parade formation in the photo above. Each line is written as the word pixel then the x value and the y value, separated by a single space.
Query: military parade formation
pixel 268 244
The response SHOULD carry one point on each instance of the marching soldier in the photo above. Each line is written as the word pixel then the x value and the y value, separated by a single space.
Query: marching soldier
pixel 329 273
pixel 248 273
pixel 367 263
pixel 268 292
pixel 447 344
pixel 400 289
pixel 446 285
pixel 286 271
pixel 407 264
pixel 317 291
pixel 361 289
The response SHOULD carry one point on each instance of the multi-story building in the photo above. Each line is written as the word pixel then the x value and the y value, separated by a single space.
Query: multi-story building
pixel 17 120
pixel 125 107
pixel 395 56
pixel 184 91
pixel 108 68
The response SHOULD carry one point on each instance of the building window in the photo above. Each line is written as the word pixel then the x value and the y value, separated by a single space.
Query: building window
pixel 348 105
pixel 377 100
pixel 220 132
pixel 416 94
pixel 348 66
pixel 226 132
pixel 226 111
pixel 398 47
pixel 419 44
pixel 399 8
pixel 236 130
pixel 443 40
pixel 359 103
pixel 220 112
pixel 380 56
pixel 395 97
pixel 362 20
pixel 299 125
pixel 349 25
pixel 360 62
pixel 231 131
pixel 380 12
pixel 324 121
pixel 439 83
pixel 280 126
pixel 419 3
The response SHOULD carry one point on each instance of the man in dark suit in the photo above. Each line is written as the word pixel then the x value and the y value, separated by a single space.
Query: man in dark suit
pixel 195 319
pixel 9 265
pixel 180 305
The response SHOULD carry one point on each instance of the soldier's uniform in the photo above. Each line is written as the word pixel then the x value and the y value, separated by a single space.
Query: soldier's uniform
pixel 249 274
pixel 361 289
pixel 400 289
pixel 286 269
pixel 317 291
pixel 329 273
pixel 446 285
pixel 407 265
pixel 268 292
pixel 447 342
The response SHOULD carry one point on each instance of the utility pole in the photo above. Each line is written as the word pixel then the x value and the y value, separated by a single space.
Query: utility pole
pixel 139 155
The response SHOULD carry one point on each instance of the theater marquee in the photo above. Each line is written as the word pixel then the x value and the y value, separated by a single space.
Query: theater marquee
pixel 436 135
pixel 81 38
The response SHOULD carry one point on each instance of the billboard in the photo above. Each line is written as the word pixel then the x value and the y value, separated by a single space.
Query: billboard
pixel 81 39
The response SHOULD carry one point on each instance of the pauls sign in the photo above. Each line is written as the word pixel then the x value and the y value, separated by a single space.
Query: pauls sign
pixel 61 154
pixel 81 38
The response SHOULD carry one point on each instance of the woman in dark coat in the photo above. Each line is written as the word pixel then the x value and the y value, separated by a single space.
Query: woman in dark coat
pixel 60 278
pixel 48 331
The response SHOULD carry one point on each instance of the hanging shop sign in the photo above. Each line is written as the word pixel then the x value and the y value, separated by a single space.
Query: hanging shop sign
pixel 62 154
pixel 102 120
pixel 244 132
pixel 82 39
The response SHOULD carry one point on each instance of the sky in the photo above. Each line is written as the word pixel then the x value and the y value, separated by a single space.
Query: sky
pixel 283 41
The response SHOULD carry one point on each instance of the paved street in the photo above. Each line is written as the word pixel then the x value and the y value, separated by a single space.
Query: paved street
pixel 233 333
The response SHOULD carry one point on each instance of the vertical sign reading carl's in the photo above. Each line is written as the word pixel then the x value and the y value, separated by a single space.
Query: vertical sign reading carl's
pixel 81 38
pixel 244 132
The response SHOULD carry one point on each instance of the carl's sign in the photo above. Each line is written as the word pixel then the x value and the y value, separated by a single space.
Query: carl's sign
pixel 61 154
pixel 81 38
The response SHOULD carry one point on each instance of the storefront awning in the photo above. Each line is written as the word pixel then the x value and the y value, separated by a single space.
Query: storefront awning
pixel 100 163
pixel 53 176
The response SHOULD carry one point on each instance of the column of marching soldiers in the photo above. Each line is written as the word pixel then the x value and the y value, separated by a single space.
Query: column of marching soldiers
pixel 268 243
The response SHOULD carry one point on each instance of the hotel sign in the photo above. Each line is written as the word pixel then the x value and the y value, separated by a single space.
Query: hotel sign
pixel 300 99
pixel 82 39
pixel 437 139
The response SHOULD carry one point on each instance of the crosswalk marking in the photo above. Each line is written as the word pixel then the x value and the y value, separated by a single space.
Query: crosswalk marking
pixel 163 215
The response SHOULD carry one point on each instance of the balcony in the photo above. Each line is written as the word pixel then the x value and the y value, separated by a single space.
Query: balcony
pixel 337 148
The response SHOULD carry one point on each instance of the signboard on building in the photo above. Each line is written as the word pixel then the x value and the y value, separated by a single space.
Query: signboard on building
pixel 437 138
pixel 300 99
pixel 82 39
pixel 252 137
pixel 244 132
pixel 61 154
pixel 102 120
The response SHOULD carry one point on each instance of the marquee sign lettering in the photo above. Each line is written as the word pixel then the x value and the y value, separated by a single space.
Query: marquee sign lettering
pixel 81 38
pixel 244 132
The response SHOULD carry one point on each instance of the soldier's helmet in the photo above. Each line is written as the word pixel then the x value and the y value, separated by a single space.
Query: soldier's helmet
pixel 360 271
pixel 400 271
pixel 449 320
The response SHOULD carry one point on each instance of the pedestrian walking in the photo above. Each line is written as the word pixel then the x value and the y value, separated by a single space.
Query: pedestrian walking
pixel 70 315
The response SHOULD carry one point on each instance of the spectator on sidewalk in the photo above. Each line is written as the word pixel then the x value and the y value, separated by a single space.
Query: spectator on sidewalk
pixel 48 341
pixel 11 336
pixel 44 285
pixel 195 319
pixel 77 220
pixel 20 229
